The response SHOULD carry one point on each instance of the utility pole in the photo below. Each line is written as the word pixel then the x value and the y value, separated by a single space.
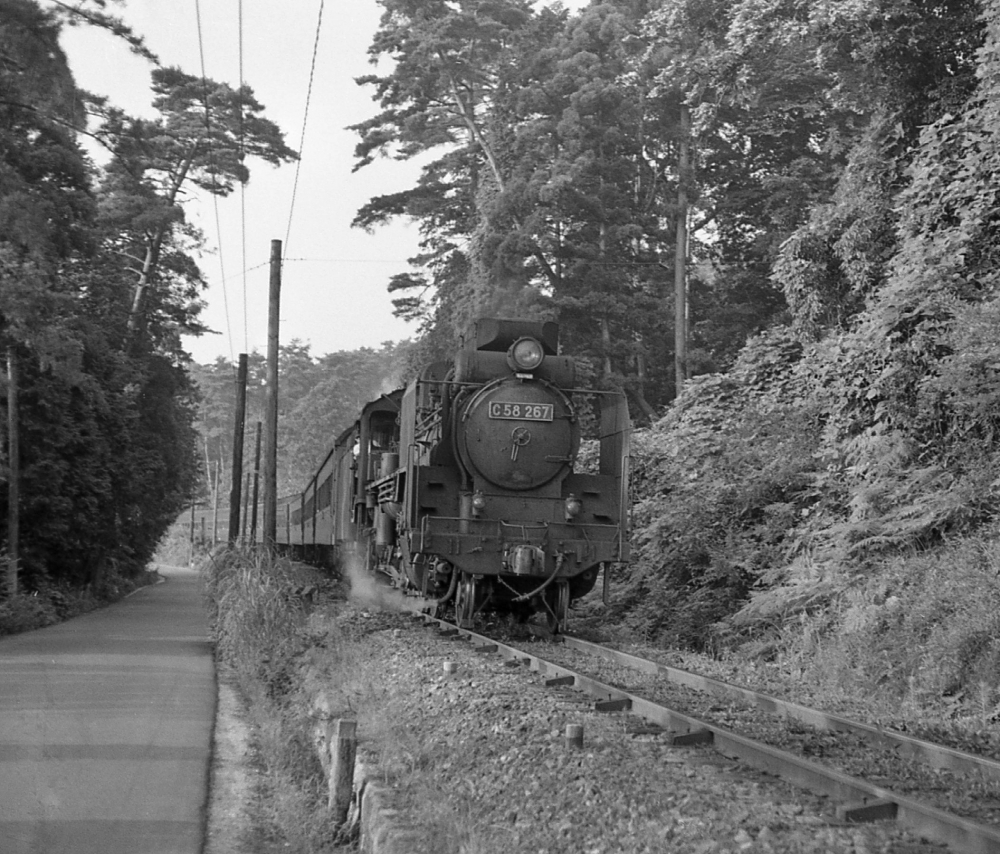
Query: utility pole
pixel 191 555
pixel 216 483
pixel 241 413
pixel 14 483
pixel 680 257
pixel 271 402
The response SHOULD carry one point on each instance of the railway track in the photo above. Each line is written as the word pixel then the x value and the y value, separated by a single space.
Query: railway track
pixel 933 791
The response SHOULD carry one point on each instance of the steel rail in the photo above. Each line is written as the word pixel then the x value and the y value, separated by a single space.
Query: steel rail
pixel 861 800
pixel 935 755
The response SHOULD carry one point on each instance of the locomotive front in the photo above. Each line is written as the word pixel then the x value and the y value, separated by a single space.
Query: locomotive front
pixel 495 511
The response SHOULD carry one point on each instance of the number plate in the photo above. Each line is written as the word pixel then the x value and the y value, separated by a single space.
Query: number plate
pixel 504 409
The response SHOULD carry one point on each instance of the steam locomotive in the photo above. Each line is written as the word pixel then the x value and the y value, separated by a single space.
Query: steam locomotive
pixel 465 486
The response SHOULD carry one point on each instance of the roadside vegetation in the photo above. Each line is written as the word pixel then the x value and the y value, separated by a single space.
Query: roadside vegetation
pixel 298 657
pixel 260 625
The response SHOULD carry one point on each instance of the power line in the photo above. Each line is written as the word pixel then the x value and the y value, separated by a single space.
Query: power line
pixel 305 119
pixel 211 154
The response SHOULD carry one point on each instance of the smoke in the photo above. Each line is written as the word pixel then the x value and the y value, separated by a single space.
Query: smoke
pixel 392 382
pixel 371 592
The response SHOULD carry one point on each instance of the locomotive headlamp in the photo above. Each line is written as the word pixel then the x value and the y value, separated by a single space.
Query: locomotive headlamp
pixel 525 354
pixel 573 507
pixel 478 503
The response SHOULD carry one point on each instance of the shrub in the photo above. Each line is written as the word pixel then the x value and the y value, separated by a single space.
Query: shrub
pixel 724 481
pixel 25 612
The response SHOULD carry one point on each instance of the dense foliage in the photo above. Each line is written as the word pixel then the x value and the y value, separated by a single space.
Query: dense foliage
pixel 97 283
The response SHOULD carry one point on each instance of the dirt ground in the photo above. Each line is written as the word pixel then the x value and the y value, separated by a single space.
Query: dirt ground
pixel 229 826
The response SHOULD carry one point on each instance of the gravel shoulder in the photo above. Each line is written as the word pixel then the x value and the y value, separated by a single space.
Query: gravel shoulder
pixel 233 777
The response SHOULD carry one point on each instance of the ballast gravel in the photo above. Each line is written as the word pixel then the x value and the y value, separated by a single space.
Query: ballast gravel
pixel 975 799
pixel 479 760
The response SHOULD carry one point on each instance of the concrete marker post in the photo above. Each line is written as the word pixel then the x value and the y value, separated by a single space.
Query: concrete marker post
pixel 574 735
pixel 343 750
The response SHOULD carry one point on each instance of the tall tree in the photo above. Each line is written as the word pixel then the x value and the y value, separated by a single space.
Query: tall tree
pixel 552 206
pixel 449 65
pixel 203 134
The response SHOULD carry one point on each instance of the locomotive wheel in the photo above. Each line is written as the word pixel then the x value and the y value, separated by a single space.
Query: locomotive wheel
pixel 465 600
pixel 557 606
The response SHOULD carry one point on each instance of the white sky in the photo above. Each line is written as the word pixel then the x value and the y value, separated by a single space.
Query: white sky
pixel 334 282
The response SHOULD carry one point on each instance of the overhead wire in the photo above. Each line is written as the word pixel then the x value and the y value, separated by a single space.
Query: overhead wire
pixel 215 198
pixel 241 154
pixel 305 120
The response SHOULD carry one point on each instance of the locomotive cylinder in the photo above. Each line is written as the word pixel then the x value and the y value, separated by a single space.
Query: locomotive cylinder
pixel 385 529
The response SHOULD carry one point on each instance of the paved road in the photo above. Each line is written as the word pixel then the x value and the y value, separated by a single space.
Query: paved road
pixel 106 726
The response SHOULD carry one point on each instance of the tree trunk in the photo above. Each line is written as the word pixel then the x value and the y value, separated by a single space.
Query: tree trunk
pixel 606 345
pixel 14 483
pixel 468 115
pixel 639 393
pixel 153 246
pixel 680 260
pixel 642 403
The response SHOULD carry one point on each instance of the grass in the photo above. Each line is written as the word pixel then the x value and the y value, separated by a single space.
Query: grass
pixel 919 635
pixel 260 621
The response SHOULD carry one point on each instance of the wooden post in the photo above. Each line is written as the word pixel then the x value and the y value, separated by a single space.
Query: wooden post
pixel 680 258
pixel 237 482
pixel 271 402
pixel 343 740
pixel 14 463
pixel 246 514
pixel 256 486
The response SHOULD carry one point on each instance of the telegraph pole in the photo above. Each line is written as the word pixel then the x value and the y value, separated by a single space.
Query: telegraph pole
pixel 237 483
pixel 271 402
